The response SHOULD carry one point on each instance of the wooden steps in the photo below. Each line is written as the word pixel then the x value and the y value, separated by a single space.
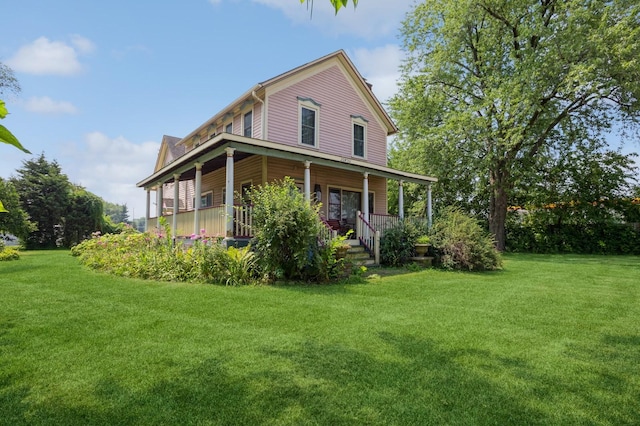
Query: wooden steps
pixel 357 254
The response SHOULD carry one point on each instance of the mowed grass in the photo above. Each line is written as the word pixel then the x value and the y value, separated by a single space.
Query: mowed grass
pixel 549 340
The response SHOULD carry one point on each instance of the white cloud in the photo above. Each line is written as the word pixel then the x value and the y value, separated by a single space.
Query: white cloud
pixel 381 67
pixel 46 105
pixel 83 44
pixel 372 18
pixel 214 2
pixel 43 56
pixel 111 167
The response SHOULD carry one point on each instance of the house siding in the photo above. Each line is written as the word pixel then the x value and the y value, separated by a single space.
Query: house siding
pixel 339 100
pixel 327 177
pixel 249 169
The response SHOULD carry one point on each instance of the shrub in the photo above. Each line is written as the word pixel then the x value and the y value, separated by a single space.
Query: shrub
pixel 534 233
pixel 286 229
pixel 8 253
pixel 462 244
pixel 397 244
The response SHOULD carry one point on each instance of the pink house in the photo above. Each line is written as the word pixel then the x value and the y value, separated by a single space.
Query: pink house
pixel 319 123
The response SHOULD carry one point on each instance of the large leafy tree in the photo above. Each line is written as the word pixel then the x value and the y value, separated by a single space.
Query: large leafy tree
pixel 583 184
pixel 490 86
pixel 45 196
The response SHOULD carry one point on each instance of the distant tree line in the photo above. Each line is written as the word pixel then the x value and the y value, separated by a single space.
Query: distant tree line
pixel 46 210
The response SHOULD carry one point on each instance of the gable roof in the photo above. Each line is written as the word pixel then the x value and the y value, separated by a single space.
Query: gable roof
pixel 169 149
pixel 341 57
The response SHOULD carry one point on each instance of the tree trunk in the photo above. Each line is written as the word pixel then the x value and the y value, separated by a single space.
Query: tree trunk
pixel 498 207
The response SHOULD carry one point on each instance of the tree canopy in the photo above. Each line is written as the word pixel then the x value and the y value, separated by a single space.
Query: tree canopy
pixel 45 195
pixel 491 87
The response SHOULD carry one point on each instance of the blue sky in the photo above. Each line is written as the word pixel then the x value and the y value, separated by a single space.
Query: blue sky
pixel 103 81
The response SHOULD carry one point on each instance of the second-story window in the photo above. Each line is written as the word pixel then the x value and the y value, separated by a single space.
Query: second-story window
pixel 359 136
pixel 229 128
pixel 308 127
pixel 308 116
pixel 248 124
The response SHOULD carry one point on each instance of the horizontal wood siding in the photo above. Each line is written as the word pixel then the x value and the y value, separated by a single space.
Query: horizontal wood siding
pixel 245 170
pixel 339 100
pixel 257 121
pixel 328 177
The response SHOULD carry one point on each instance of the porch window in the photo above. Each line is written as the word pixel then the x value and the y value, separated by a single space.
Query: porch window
pixel 309 112
pixel 335 206
pixel 206 199
pixel 248 123
pixel 359 130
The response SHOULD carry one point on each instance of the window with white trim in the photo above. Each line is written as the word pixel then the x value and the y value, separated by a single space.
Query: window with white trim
pixel 206 199
pixel 308 112
pixel 229 128
pixel 359 136
pixel 247 123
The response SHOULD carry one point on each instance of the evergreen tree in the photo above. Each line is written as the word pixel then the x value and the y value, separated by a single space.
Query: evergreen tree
pixel 45 195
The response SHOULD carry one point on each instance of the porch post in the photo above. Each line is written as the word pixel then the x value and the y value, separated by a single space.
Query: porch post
pixel 176 204
pixel 401 199
pixel 429 207
pixel 365 195
pixel 159 203
pixel 307 181
pixel 229 192
pixel 147 212
pixel 197 196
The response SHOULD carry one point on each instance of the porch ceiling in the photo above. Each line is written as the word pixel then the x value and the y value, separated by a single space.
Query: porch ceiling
pixel 212 155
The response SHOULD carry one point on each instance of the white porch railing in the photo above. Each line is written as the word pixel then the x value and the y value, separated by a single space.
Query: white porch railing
pixel 382 222
pixel 327 233
pixel 242 220
pixel 368 236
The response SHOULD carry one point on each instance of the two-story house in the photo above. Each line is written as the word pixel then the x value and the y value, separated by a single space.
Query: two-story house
pixel 319 123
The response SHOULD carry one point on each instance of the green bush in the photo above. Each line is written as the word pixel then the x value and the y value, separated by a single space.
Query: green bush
pixel 534 232
pixel 286 229
pixel 462 244
pixel 397 244
pixel 596 238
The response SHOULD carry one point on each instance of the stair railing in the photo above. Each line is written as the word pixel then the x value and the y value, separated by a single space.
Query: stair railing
pixel 368 236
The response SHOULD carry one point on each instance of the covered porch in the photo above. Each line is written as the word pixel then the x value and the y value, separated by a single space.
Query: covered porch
pixel 339 183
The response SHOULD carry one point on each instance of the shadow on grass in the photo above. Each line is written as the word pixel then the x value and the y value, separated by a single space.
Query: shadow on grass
pixel 409 381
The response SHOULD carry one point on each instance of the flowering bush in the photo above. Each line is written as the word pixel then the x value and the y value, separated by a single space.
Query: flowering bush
pixel 151 255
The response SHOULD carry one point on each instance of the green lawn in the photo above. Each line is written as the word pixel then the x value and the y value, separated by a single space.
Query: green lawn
pixel 549 340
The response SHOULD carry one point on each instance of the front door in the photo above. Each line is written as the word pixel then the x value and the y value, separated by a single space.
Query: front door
pixel 344 206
